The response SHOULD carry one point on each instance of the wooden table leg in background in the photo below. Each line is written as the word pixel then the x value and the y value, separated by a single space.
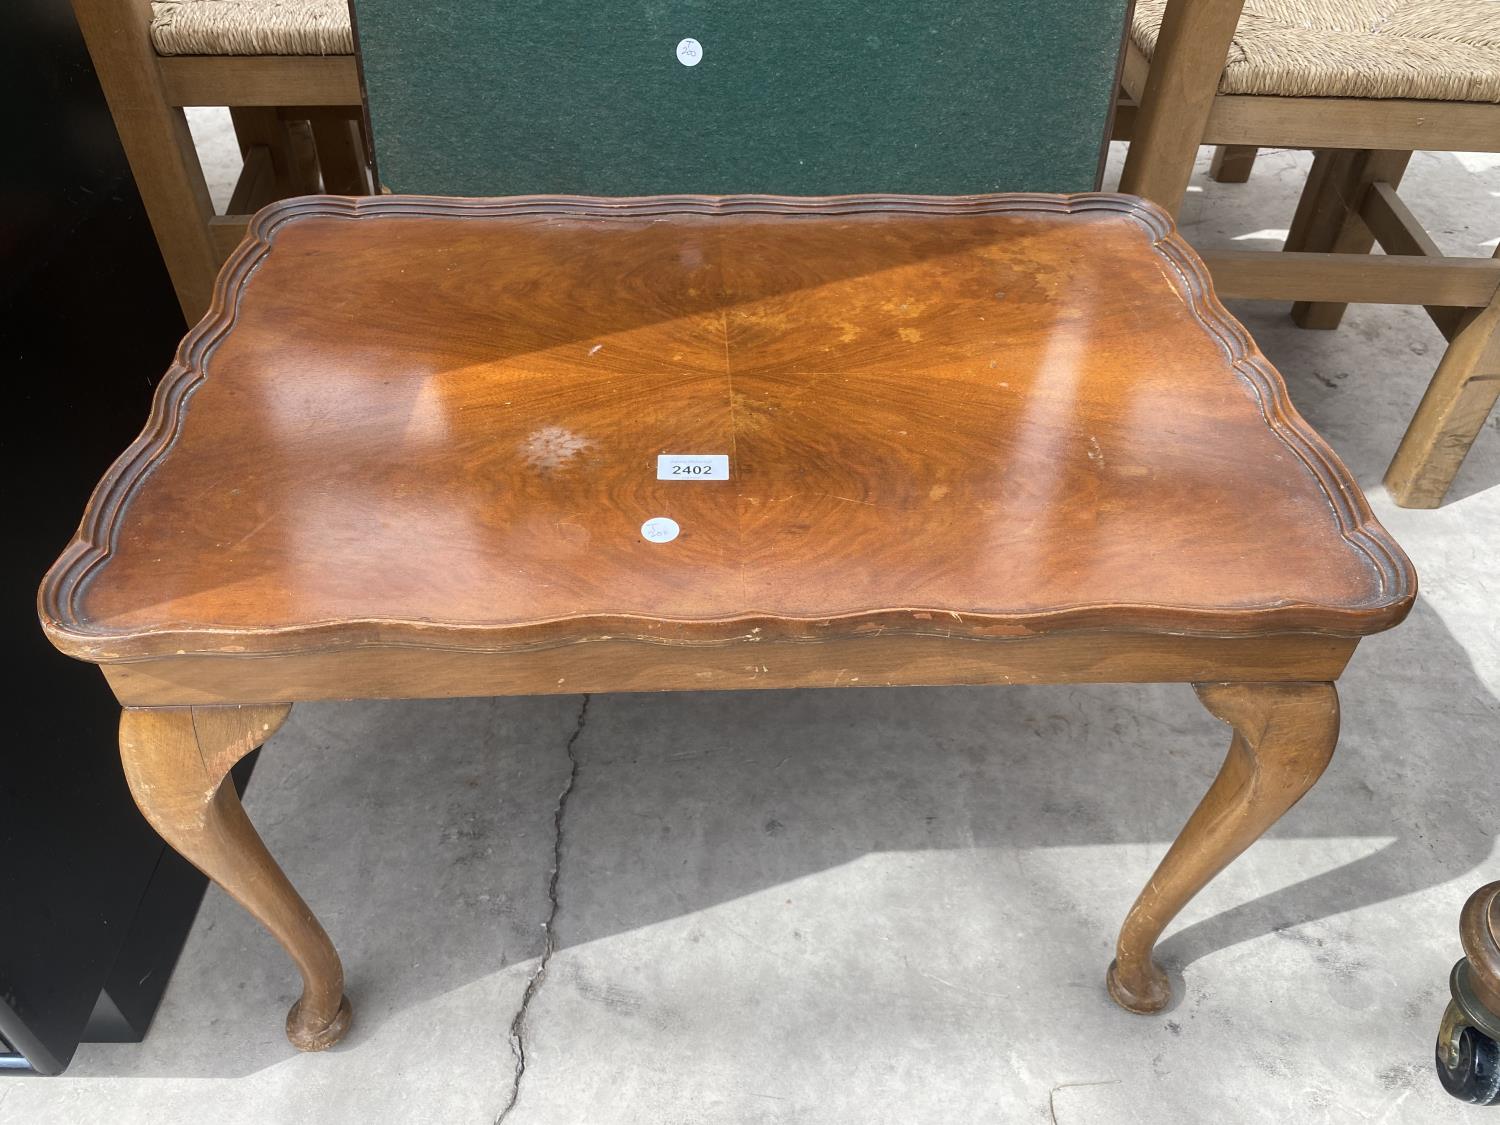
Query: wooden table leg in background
pixel 1284 734
pixel 176 760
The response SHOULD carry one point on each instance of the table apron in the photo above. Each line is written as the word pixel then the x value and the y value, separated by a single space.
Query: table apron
pixel 615 664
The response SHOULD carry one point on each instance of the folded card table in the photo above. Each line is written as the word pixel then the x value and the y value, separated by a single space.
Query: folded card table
pixel 432 447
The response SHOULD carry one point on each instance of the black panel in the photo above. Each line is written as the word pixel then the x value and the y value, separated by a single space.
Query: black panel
pixel 88 322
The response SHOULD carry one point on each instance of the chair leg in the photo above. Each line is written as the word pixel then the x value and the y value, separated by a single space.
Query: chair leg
pixel 1181 84
pixel 157 142
pixel 1327 218
pixel 176 761
pixel 1319 207
pixel 1456 404
pixel 1284 736
pixel 1232 164
pixel 263 126
pixel 304 154
pixel 341 156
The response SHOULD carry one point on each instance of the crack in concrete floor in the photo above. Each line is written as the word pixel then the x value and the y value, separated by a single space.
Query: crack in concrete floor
pixel 1052 1093
pixel 549 943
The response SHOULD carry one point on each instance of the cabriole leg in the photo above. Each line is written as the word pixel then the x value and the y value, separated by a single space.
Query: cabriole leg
pixel 176 761
pixel 1284 735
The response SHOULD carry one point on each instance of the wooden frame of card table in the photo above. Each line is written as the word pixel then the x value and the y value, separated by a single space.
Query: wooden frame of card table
pixel 413 449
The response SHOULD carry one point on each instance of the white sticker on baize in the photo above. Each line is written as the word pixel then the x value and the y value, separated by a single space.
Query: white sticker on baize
pixel 690 52
pixel 660 529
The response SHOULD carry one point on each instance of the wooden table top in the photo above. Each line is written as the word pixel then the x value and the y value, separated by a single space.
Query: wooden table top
pixel 437 422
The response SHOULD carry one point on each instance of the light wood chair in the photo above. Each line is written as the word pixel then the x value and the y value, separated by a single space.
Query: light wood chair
pixel 1364 83
pixel 287 72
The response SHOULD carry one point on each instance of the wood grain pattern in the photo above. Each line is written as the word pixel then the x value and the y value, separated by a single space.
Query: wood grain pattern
pixel 434 423
pixel 1284 735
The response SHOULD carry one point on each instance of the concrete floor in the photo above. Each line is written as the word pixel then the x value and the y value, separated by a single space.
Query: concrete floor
pixel 879 906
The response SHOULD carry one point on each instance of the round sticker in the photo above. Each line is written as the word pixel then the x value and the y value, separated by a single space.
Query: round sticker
pixel 660 529
pixel 690 52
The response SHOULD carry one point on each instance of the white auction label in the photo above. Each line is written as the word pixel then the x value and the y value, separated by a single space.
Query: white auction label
pixel 690 52
pixel 660 529
pixel 692 466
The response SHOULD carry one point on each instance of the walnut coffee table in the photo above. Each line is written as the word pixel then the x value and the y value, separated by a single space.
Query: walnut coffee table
pixel 426 447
